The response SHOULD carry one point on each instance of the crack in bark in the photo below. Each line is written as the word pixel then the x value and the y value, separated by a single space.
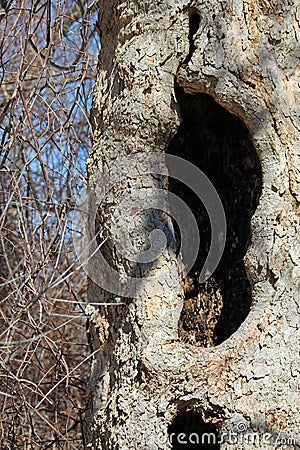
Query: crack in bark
pixel 194 23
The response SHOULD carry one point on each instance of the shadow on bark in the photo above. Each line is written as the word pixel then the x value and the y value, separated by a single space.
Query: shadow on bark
pixel 219 144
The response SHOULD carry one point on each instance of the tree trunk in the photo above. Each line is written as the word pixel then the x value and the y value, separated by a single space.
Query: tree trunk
pixel 204 359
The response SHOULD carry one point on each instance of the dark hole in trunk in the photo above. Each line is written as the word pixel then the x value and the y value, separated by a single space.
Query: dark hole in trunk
pixel 189 432
pixel 219 144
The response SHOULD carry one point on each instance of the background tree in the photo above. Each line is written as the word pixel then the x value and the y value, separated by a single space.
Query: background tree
pixel 217 83
pixel 48 58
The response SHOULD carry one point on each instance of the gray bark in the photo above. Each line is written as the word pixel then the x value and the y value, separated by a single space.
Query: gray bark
pixel 245 54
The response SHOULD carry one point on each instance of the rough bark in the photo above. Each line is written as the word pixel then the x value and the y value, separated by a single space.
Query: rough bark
pixel 245 55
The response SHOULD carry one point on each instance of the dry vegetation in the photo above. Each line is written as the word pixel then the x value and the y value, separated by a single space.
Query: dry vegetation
pixel 48 61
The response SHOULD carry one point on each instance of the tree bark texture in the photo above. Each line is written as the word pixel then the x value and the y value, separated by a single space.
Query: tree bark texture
pixel 245 55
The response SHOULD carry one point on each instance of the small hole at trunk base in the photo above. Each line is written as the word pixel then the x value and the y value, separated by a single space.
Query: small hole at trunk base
pixel 219 144
pixel 188 431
